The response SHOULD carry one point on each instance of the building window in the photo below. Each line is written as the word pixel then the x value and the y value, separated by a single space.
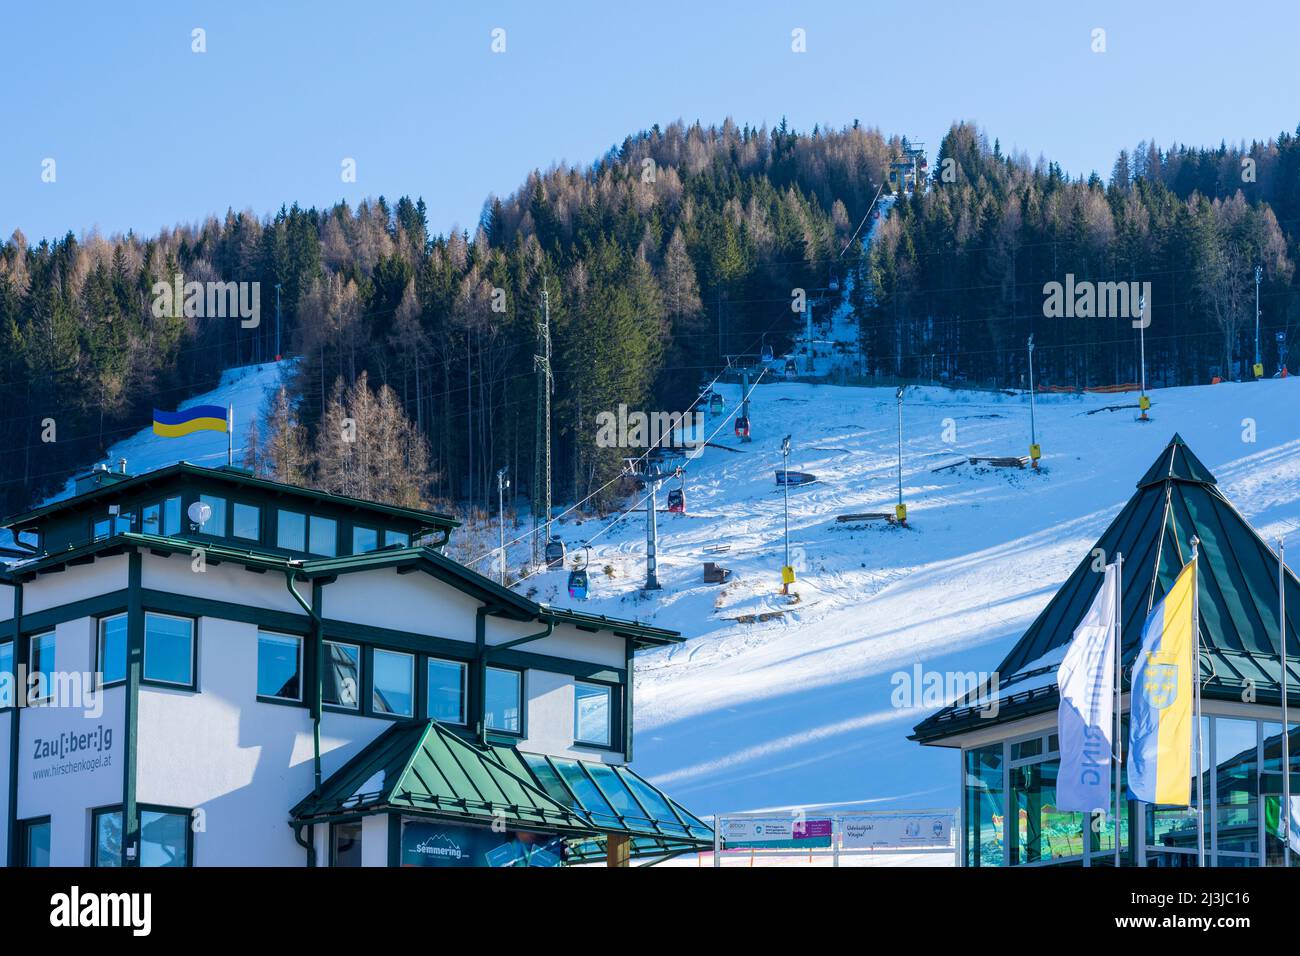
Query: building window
pixel 324 536
pixel 169 649
pixel 393 676
pixel 216 523
pixel 40 661
pixel 396 538
pixel 592 709
pixel 151 519
pixel 291 530
pixel 6 674
pixel 35 836
pixel 124 522
pixel 112 649
pixel 103 528
pixel 342 675
pixel 247 522
pixel 279 666
pixel 364 539
pixel 164 837
pixel 171 516
pixel 107 827
pixel 446 694
pixel 345 844
pixel 985 806
pixel 503 704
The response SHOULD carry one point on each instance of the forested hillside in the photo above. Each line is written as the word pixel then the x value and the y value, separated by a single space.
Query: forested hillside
pixel 678 247
pixel 959 271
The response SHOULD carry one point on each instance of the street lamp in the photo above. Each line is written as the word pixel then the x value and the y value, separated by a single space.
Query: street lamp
pixel 1035 452
pixel 1144 403
pixel 1259 362
pixel 502 484
pixel 900 510
pixel 787 572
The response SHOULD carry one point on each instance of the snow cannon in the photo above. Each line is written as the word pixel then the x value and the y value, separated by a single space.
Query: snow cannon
pixel 900 512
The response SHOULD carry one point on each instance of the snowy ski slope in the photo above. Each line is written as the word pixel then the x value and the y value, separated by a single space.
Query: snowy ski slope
pixel 795 709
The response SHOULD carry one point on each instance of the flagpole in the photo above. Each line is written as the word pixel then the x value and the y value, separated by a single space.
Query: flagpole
pixel 1284 817
pixel 230 434
pixel 1196 702
pixel 1119 653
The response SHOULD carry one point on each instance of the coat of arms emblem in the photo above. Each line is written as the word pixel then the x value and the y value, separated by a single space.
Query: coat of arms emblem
pixel 1160 683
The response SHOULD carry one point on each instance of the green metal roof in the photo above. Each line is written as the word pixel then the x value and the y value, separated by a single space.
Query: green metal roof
pixel 1177 498
pixel 422 767
pixel 615 800
pixel 236 476
pixel 425 768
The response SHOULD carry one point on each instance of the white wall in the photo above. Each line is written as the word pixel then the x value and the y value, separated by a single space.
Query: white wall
pixel 5 720
pixel 6 602
pixel 67 786
pixel 224 582
pixel 414 602
pixel 104 576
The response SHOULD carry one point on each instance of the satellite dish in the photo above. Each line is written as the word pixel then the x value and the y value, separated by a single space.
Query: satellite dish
pixel 199 513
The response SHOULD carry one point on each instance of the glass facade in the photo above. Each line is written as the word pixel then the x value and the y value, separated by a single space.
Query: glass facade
pixel 1241 781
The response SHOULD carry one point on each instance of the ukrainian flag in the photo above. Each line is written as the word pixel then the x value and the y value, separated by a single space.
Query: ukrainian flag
pixel 200 418
pixel 1161 720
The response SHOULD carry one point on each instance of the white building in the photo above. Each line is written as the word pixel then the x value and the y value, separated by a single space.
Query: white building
pixel 304 680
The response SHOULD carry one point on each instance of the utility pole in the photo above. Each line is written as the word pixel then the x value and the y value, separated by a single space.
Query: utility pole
pixel 278 353
pixel 542 454
pixel 502 485
pixel 1259 362
pixel 1034 451
pixel 1285 816
pixel 787 571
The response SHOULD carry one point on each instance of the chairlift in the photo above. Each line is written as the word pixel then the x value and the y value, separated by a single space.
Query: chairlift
pixel 555 553
pixel 742 426
pixel 579 584
pixel 768 354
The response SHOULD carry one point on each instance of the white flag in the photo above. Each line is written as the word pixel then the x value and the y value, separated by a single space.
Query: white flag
pixel 1086 718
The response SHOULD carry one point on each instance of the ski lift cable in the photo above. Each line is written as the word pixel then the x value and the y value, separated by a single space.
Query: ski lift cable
pixel 633 507
pixel 860 224
pixel 578 504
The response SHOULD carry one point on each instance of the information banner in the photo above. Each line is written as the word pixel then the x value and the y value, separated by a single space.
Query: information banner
pixel 896 831
pixel 775 832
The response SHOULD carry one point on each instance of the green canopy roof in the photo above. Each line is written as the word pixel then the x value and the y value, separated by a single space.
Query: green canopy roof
pixel 1177 499
pixel 425 768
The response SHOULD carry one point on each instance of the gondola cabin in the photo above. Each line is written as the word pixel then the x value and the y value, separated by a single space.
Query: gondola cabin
pixel 555 553
pixel 742 426
pixel 677 501
pixel 578 584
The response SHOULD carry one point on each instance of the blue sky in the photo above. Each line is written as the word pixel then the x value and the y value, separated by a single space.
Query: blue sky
pixel 146 133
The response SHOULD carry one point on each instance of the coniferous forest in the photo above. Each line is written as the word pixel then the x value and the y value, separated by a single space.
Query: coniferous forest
pixel 677 248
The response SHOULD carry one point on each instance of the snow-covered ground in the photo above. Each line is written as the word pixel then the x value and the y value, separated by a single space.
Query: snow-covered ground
pixel 795 708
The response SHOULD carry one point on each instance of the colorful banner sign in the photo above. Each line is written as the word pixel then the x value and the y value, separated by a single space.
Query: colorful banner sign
pixel 896 831
pixel 436 844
